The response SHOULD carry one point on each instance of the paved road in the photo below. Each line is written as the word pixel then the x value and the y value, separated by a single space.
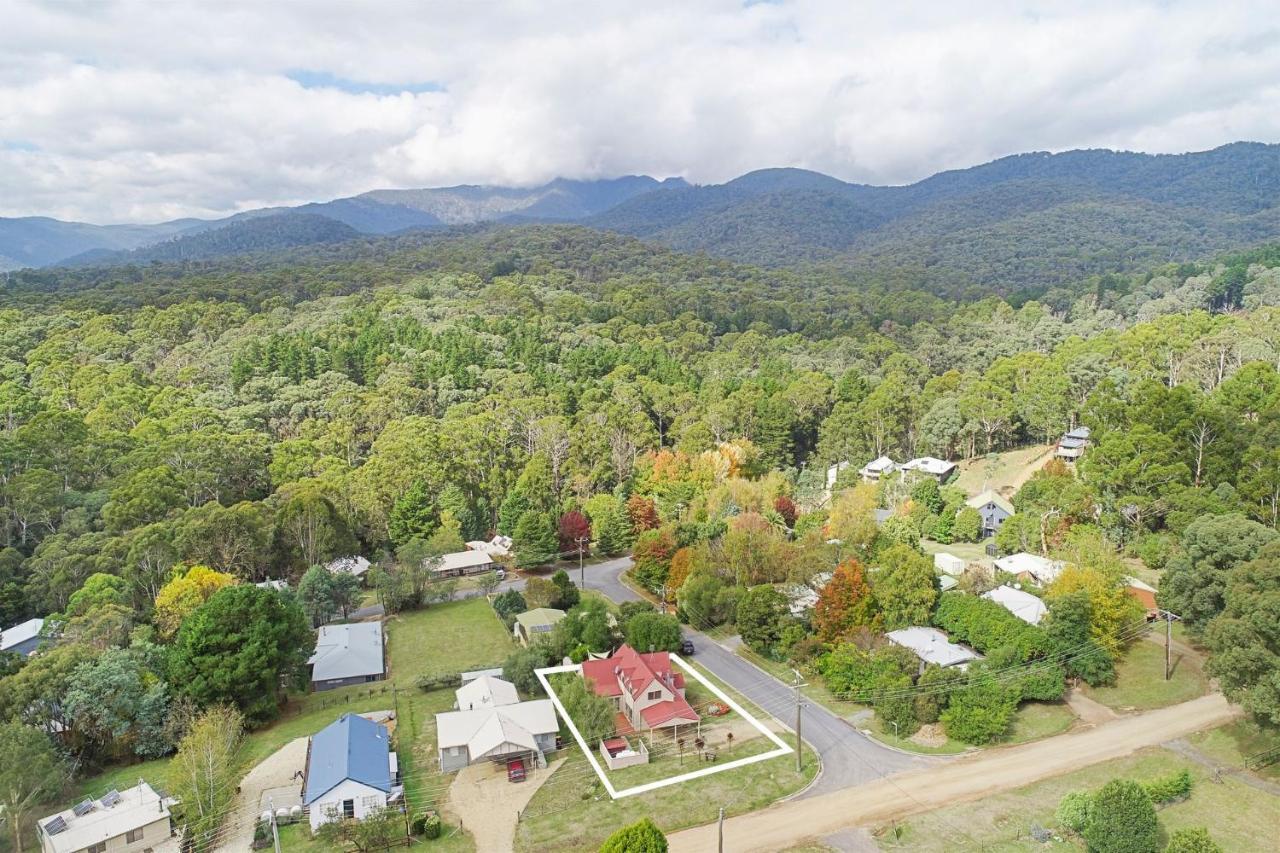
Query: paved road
pixel 848 756
pixel 970 777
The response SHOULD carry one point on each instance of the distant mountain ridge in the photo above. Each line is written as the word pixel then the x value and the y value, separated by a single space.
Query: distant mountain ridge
pixel 1021 222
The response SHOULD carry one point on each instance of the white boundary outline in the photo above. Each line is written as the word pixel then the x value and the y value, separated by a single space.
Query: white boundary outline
pixel 781 747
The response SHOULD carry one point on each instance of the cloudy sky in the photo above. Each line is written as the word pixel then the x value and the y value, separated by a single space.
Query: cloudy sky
pixel 142 111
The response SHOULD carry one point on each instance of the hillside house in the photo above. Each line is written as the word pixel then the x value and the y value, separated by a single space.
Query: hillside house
pixel 1024 605
pixel 351 771
pixel 993 508
pixel 23 638
pixel 833 474
pixel 877 468
pixel 1144 594
pixel 929 466
pixel 498 547
pixel 353 565
pixel 643 688
pixel 130 821
pixel 1072 444
pixel 347 654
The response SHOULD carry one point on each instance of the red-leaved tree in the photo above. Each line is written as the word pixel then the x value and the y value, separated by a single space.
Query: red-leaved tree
pixel 786 508
pixel 643 514
pixel 844 604
pixel 573 526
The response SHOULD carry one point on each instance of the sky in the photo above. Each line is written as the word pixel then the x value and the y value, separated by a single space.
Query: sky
pixel 144 111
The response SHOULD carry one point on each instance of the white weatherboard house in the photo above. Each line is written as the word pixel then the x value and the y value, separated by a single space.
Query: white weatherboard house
pixel 351 771
pixel 1024 605
pixel 1042 570
pixel 130 821
pixel 347 654
pixel 494 725
pixel 877 468
pixel 932 646
pixel 939 469
pixel 22 639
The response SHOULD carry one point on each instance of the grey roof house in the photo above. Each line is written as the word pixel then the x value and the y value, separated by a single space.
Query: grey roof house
pixel 22 639
pixel 347 654
pixel 351 770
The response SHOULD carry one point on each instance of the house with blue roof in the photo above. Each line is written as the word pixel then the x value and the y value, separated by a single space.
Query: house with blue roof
pixel 351 771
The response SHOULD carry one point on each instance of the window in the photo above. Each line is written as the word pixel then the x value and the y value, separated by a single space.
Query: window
pixel 369 803
pixel 133 835
pixel 655 694
pixel 348 809
pixel 100 847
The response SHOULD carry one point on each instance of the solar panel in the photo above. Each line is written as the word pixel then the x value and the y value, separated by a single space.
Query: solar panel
pixel 82 809
pixel 111 798
pixel 55 826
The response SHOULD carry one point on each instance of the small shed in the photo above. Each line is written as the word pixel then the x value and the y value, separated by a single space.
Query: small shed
pixel 948 563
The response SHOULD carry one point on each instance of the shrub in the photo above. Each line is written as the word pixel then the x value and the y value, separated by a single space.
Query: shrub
pixel 643 836
pixel 431 827
pixel 1169 789
pixel 981 712
pixel 968 526
pixel 1073 810
pixel 986 625
pixel 1122 820
pixel 1194 840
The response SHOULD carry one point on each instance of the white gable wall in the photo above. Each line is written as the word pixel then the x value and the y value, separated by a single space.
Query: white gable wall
pixel 364 797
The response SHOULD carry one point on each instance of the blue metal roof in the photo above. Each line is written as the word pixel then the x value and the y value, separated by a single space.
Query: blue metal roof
pixel 349 748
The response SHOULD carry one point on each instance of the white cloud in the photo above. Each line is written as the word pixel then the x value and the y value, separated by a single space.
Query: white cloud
pixel 132 111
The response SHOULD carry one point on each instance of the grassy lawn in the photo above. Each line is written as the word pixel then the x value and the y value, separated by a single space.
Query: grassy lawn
pixel 572 811
pixel 970 552
pixel 450 637
pixel 297 838
pixel 1000 470
pixel 1233 743
pixel 1002 822
pixel 1140 680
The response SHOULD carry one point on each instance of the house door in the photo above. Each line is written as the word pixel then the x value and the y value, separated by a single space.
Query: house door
pixel 348 809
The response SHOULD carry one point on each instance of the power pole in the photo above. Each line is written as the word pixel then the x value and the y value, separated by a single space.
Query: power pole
pixel 720 839
pixel 582 577
pixel 1168 618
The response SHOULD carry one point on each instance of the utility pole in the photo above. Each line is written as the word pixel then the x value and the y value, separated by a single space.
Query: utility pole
pixel 1168 618
pixel 582 577
pixel 799 706
pixel 720 837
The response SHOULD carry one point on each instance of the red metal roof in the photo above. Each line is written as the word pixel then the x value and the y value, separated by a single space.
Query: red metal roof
pixel 629 667
pixel 662 713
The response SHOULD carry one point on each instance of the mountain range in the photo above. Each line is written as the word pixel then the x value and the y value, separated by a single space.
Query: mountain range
pixel 1021 222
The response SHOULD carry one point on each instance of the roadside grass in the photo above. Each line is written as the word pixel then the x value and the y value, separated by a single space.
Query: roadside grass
pixel 1140 683
pixel 1003 822
pixel 573 812
pixel 449 637
pixel 1234 743
pixel 669 762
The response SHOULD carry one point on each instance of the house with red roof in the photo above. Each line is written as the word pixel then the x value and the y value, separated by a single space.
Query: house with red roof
pixel 642 687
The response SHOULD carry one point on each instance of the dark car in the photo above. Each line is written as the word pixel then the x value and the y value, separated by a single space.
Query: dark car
pixel 686 647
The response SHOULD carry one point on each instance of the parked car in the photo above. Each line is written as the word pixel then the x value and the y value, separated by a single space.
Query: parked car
pixel 501 573
pixel 686 647
pixel 515 770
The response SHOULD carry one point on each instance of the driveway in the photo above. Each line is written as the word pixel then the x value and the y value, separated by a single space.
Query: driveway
pixel 488 806
pixel 848 756
pixel 969 777
pixel 273 773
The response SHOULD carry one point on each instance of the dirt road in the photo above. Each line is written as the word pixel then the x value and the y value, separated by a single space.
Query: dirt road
pixel 785 824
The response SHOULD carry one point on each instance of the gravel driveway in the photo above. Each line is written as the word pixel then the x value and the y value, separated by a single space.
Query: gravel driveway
pixel 488 805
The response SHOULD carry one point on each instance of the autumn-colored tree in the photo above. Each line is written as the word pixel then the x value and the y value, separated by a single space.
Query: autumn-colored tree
pixel 786 508
pixel 681 563
pixel 1112 610
pixel 643 514
pixel 845 604
pixel 853 519
pixel 184 593
pixel 652 555
pixel 573 526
